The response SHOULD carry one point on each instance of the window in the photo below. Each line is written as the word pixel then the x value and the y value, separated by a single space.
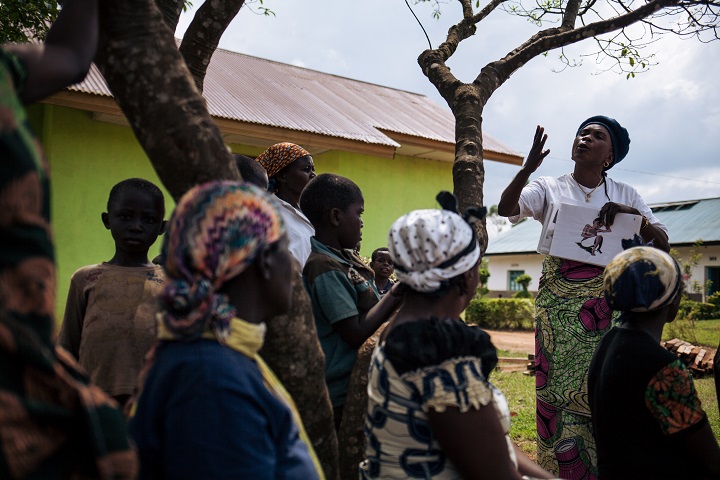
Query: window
pixel 513 286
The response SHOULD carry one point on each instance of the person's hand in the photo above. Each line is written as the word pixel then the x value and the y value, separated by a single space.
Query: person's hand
pixel 610 209
pixel 536 155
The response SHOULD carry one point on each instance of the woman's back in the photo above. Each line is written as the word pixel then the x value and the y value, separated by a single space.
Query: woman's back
pixel 206 413
pixel 421 365
pixel 643 400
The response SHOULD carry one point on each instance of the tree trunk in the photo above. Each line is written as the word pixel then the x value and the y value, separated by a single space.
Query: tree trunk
pixel 468 168
pixel 149 80
pixel 351 438
pixel 171 11
pixel 292 349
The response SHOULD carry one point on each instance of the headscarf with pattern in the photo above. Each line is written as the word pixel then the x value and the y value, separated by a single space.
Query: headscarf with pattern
pixel 429 247
pixel 642 279
pixel 215 232
pixel 280 156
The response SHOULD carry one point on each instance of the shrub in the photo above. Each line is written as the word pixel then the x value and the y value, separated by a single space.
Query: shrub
pixel 522 294
pixel 698 310
pixel 714 299
pixel 502 313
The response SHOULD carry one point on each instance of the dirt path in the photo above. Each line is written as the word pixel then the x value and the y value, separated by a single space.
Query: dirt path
pixel 520 342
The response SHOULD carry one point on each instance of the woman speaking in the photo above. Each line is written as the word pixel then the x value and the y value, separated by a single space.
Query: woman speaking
pixel 571 312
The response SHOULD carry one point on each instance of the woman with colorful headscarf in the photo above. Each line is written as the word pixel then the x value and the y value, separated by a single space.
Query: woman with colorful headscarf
pixel 289 168
pixel 646 414
pixel 571 313
pixel 209 407
pixel 432 411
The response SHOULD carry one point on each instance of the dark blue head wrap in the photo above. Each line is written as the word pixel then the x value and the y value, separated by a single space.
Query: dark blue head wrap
pixel 618 135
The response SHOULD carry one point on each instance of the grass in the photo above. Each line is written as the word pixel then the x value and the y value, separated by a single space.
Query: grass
pixel 699 332
pixel 519 390
pixel 511 354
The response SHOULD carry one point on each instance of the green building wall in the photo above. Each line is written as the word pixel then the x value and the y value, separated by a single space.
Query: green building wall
pixel 88 157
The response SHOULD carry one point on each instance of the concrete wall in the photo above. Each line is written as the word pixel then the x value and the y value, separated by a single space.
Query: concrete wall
pixel 88 157
pixel 709 260
pixel 499 266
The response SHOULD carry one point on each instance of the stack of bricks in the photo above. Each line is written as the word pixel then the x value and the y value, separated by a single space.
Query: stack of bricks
pixel 698 359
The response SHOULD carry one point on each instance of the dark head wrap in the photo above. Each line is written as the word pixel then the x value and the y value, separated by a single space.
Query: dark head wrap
pixel 215 232
pixel 618 135
pixel 642 279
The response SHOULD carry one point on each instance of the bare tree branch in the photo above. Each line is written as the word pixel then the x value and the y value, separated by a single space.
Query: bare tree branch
pixel 559 37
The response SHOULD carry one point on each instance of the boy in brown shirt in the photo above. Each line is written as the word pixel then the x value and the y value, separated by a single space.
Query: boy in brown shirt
pixel 109 322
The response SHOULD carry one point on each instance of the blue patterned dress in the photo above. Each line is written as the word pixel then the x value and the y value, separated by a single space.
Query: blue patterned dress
pixel 423 365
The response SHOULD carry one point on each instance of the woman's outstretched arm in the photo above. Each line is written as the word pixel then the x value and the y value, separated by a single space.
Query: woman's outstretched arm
pixel 508 205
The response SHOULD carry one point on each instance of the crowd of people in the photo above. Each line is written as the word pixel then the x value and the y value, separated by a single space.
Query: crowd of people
pixel 156 371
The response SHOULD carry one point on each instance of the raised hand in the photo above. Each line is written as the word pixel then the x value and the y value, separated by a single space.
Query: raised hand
pixel 537 155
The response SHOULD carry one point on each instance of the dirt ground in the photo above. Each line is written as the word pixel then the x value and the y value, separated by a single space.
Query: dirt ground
pixel 520 342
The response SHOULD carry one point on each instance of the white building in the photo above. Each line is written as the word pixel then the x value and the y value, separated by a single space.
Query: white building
pixel 513 252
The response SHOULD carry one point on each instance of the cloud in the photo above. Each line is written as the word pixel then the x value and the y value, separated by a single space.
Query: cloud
pixel 671 112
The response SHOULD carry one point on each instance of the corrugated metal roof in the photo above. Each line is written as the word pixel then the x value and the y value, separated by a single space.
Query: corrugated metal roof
pixel 255 90
pixel 686 221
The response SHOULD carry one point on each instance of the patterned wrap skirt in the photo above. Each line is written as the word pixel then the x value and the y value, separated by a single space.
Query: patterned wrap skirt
pixel 571 318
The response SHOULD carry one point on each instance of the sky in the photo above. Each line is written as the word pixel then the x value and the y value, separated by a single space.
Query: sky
pixel 672 112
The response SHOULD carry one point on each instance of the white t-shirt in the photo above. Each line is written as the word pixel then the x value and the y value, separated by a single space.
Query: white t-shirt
pixel 299 231
pixel 539 194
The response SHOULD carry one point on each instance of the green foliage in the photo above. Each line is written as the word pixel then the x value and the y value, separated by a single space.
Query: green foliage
pixel 687 265
pixel 522 294
pixel 502 313
pixel 714 299
pixel 524 280
pixel 691 310
pixel 484 272
pixel 25 19
pixel 704 333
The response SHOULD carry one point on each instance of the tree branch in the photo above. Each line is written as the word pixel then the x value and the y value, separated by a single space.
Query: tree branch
pixel 560 37
pixel 203 35
pixel 571 13
pixel 171 10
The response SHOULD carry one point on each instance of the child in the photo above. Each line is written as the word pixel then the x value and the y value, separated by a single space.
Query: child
pixel 345 304
pixel 383 266
pixel 109 322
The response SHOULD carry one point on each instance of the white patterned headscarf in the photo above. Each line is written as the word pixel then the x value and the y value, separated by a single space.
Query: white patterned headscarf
pixel 429 247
